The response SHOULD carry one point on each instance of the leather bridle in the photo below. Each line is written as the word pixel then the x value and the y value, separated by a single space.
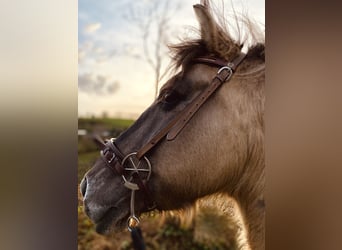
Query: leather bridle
pixel 117 161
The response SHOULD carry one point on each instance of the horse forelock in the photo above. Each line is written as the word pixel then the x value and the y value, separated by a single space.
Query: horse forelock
pixel 219 40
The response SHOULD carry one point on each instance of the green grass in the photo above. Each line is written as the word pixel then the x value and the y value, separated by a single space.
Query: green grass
pixel 117 123
pixel 85 162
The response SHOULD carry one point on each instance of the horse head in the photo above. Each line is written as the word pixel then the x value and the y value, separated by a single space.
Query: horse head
pixel 220 149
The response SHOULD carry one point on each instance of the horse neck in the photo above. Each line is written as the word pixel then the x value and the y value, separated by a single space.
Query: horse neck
pixel 247 187
pixel 254 219
pixel 250 198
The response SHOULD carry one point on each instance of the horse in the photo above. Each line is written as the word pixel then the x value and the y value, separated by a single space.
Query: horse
pixel 182 149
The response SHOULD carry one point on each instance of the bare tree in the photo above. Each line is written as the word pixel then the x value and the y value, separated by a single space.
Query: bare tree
pixel 152 18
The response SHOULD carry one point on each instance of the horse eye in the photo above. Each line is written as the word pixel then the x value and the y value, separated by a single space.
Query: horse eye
pixel 168 98
pixel 171 97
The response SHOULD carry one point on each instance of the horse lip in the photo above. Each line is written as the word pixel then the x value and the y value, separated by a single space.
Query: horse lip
pixel 103 225
pixel 105 214
pixel 115 217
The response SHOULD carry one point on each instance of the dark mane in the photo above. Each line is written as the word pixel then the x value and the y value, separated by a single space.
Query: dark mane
pixel 183 53
pixel 257 51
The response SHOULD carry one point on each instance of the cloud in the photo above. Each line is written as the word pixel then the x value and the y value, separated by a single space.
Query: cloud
pixel 84 50
pixel 91 28
pixel 90 52
pixel 81 55
pixel 98 85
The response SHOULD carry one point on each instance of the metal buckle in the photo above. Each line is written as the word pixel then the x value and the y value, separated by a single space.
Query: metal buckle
pixel 113 157
pixel 230 72
pixel 227 68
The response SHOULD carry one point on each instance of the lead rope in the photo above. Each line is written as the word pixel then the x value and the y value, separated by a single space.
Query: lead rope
pixel 138 241
pixel 133 227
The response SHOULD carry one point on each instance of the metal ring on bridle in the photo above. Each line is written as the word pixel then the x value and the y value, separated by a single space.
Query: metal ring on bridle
pixel 135 168
pixel 132 222
pixel 227 68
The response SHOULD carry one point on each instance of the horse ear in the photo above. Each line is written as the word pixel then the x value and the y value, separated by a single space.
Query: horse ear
pixel 207 25
pixel 205 3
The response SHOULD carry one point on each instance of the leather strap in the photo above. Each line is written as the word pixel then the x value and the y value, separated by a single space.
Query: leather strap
pixel 149 202
pixel 211 60
pixel 222 63
pixel 178 123
pixel 160 135
pixel 112 156
pixel 116 150
pixel 197 103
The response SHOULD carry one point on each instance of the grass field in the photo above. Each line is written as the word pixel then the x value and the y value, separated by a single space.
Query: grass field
pixel 111 123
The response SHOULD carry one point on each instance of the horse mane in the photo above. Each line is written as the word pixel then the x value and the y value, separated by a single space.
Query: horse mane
pixel 228 46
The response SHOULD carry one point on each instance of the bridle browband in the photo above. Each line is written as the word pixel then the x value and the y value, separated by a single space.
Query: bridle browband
pixel 116 160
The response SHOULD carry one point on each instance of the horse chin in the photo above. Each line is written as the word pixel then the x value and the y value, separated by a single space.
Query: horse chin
pixel 112 222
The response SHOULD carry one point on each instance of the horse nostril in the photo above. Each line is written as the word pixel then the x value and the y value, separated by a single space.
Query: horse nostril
pixel 83 186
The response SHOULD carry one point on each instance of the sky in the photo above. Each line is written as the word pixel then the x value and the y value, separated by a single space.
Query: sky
pixel 114 77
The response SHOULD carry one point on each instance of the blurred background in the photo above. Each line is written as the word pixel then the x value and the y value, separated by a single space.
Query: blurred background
pixel 122 62
pixel 122 53
pixel 39 111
